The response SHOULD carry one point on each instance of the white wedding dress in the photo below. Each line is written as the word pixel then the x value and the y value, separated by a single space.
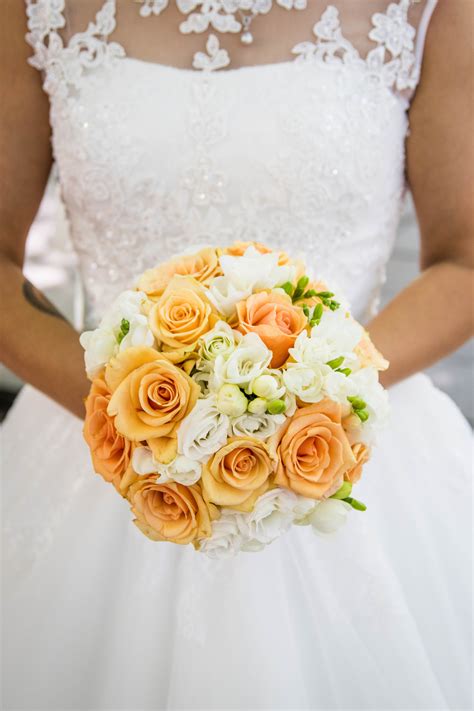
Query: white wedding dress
pixel 307 155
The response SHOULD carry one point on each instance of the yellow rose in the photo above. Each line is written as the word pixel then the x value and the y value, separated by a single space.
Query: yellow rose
pixel 170 512
pixel 202 266
pixel 238 473
pixel 150 398
pixel 181 316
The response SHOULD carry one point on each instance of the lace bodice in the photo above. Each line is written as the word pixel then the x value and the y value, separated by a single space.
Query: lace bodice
pixel 306 155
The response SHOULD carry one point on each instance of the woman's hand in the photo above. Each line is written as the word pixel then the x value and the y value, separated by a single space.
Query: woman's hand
pixel 433 315
pixel 35 340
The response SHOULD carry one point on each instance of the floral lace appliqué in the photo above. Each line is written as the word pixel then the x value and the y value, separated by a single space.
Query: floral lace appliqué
pixel 393 34
pixel 64 66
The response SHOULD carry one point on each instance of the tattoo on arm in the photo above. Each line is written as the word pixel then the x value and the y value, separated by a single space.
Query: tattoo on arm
pixel 39 301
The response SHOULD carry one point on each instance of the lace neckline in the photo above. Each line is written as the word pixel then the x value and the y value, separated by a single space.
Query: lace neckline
pixel 392 62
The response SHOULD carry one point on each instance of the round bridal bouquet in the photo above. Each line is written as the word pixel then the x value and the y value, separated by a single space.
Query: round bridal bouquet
pixel 232 396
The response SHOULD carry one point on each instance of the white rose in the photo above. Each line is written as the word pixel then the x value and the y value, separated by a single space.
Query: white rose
pixel 255 271
pixel 267 386
pixel 305 382
pixel 225 540
pixel 219 341
pixel 99 347
pixel 260 426
pixel 336 335
pixel 329 515
pixel 203 431
pixel 247 362
pixel 181 469
pixel 127 305
pixel 272 516
pixel 123 325
pixel 225 295
pixel 231 400
pixel 365 385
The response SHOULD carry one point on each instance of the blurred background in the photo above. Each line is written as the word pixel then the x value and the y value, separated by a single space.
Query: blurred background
pixel 50 265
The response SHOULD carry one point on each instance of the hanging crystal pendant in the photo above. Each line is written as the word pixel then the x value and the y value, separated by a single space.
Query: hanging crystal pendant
pixel 246 37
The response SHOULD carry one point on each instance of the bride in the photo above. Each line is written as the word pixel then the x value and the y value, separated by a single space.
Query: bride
pixel 301 125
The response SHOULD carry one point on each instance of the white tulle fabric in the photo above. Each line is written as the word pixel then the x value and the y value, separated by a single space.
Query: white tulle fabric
pixel 307 156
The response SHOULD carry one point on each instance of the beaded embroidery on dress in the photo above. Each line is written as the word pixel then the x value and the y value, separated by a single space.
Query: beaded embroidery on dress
pixel 304 151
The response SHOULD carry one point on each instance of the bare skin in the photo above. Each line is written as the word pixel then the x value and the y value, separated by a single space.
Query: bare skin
pixel 423 323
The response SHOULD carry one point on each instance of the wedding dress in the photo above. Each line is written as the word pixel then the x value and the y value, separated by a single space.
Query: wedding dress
pixel 307 154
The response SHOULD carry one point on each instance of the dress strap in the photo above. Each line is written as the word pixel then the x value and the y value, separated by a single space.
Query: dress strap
pixel 423 29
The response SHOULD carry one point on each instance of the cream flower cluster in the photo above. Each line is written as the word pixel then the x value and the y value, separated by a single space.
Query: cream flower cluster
pixel 232 397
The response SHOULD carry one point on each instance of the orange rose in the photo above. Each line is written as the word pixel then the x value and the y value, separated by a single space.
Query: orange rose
pixel 369 355
pixel 238 249
pixel 238 473
pixel 181 316
pixel 314 452
pixel 110 451
pixel 362 455
pixel 150 397
pixel 274 318
pixel 170 512
pixel 202 266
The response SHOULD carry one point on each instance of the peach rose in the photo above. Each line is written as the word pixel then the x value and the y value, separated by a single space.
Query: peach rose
pixel 314 452
pixel 275 319
pixel 369 355
pixel 362 455
pixel 181 316
pixel 238 473
pixel 202 266
pixel 238 249
pixel 170 512
pixel 110 451
pixel 150 397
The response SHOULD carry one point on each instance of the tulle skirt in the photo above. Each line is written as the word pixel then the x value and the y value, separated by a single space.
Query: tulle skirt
pixel 96 616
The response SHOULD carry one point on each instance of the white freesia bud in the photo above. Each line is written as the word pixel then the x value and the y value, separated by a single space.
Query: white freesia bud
pixel 231 400
pixel 329 515
pixel 203 431
pixel 267 386
pixel 305 382
pixel 225 540
pixel 257 406
pixel 247 362
pixel 254 271
pixel 181 469
pixel 219 341
pixel 260 426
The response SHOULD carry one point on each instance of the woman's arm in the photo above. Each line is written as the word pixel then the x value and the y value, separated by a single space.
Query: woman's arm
pixel 433 315
pixel 36 342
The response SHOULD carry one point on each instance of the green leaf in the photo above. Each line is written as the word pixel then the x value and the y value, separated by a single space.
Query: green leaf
pixel 345 371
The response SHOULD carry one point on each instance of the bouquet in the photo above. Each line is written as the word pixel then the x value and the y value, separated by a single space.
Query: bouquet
pixel 232 396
